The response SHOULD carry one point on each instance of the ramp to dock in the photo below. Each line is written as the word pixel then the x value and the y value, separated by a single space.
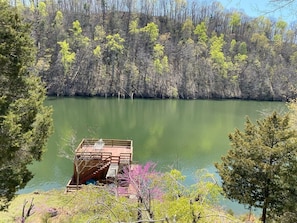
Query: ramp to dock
pixel 112 170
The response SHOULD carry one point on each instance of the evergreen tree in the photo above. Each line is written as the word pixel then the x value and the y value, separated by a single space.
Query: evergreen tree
pixel 25 123
pixel 260 168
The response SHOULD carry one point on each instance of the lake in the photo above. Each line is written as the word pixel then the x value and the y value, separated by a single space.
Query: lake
pixel 183 134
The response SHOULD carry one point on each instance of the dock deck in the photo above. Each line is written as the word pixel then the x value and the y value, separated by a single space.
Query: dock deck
pixel 117 149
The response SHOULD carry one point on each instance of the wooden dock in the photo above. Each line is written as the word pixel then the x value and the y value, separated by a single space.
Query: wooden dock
pixel 98 161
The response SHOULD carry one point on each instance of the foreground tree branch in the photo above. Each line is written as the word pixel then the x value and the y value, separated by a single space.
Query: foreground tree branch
pixel 25 123
pixel 260 168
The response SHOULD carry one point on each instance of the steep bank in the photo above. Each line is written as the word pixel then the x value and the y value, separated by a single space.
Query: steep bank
pixel 150 50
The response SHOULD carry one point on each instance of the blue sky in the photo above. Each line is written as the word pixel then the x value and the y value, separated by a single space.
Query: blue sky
pixel 255 8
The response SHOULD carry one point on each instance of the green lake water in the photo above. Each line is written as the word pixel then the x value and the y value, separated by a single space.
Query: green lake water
pixel 183 134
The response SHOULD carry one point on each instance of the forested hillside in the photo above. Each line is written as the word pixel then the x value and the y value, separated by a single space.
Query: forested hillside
pixel 161 49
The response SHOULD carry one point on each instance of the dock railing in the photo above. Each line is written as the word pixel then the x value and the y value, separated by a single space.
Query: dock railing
pixel 107 142
pixel 93 155
pixel 125 158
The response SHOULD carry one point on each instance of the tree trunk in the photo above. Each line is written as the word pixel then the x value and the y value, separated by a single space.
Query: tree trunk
pixel 139 213
pixel 264 210
pixel 266 195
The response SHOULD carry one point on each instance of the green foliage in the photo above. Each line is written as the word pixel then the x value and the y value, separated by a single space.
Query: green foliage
pixel 99 34
pixel 180 3
pixel 189 203
pixel 100 205
pixel 261 41
pixel 280 26
pixel 133 27
pixel 217 55
pixel 97 51
pixel 25 123
pixel 158 66
pixel 59 18
pixel 19 5
pixel 173 182
pixel 115 43
pixel 173 92
pixel 79 39
pixel 165 64
pixel 151 29
pixel 235 20
pixel 68 57
pixel 243 49
pixel 201 32
pixel 180 210
pixel 293 58
pixel 292 106
pixel 259 170
pixel 240 58
pixel 187 29
pixel 232 45
pixel 85 41
pixel 160 62
pixel 216 49
pixel 77 30
pixel 158 50
pixel 32 6
pixel 206 189
pixel 278 41
pixel 42 9
pixel 289 36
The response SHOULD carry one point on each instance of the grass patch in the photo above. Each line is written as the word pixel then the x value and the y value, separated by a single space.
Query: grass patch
pixel 46 205
pixel 99 205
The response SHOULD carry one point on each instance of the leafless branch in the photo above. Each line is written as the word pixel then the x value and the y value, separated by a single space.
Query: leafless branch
pixel 278 5
pixel 28 213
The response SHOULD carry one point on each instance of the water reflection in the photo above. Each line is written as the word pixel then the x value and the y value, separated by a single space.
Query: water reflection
pixel 188 134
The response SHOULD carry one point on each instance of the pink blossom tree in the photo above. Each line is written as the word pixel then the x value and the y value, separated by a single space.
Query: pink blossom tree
pixel 143 181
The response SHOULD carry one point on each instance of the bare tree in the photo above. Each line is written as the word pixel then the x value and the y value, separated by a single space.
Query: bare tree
pixel 84 163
